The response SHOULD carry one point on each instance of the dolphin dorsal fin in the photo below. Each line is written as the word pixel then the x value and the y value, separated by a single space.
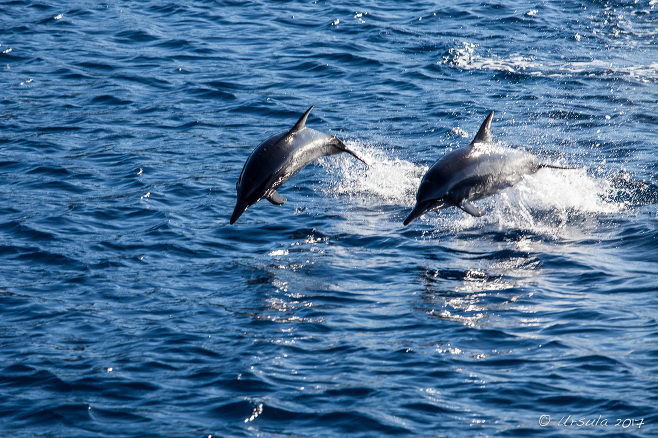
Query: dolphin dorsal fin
pixel 484 134
pixel 301 123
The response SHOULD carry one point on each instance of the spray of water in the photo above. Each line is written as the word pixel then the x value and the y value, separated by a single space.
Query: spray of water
pixel 544 202
pixel 387 180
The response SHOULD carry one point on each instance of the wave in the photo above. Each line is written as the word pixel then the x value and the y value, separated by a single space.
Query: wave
pixel 466 56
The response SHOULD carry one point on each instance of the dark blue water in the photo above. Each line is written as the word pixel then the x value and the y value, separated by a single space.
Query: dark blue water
pixel 130 307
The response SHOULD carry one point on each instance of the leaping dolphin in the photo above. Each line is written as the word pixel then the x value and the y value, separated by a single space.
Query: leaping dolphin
pixel 471 173
pixel 280 157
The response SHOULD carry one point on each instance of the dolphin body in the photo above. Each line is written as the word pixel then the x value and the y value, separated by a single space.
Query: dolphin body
pixel 471 173
pixel 280 157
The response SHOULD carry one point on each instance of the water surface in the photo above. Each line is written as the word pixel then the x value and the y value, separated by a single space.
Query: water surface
pixel 130 307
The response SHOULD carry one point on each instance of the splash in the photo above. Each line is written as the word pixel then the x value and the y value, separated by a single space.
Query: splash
pixel 544 202
pixel 563 190
pixel 388 179
pixel 553 203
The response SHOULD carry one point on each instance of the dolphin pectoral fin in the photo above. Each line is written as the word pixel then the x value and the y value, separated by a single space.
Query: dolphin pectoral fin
pixel 484 134
pixel 470 209
pixel 301 123
pixel 276 199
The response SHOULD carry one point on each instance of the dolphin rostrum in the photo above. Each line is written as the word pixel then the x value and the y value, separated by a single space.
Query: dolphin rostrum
pixel 471 173
pixel 280 157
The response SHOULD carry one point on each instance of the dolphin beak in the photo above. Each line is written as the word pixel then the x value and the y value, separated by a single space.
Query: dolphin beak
pixel 418 210
pixel 237 212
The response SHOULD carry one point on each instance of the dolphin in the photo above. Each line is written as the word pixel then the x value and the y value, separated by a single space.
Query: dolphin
pixel 473 172
pixel 280 157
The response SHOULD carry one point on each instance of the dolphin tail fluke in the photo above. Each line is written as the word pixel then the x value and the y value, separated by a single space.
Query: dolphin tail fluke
pixel 301 123
pixel 420 209
pixel 343 148
pixel 484 134
pixel 352 153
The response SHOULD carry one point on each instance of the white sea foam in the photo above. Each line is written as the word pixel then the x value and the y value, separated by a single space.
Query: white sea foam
pixel 645 73
pixel 467 57
pixel 563 190
pixel 551 202
pixel 360 17
pixel 387 179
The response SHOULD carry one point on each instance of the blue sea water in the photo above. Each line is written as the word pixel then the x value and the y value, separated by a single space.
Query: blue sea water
pixel 131 308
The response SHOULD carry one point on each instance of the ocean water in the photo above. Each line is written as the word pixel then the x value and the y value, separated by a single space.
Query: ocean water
pixel 129 307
